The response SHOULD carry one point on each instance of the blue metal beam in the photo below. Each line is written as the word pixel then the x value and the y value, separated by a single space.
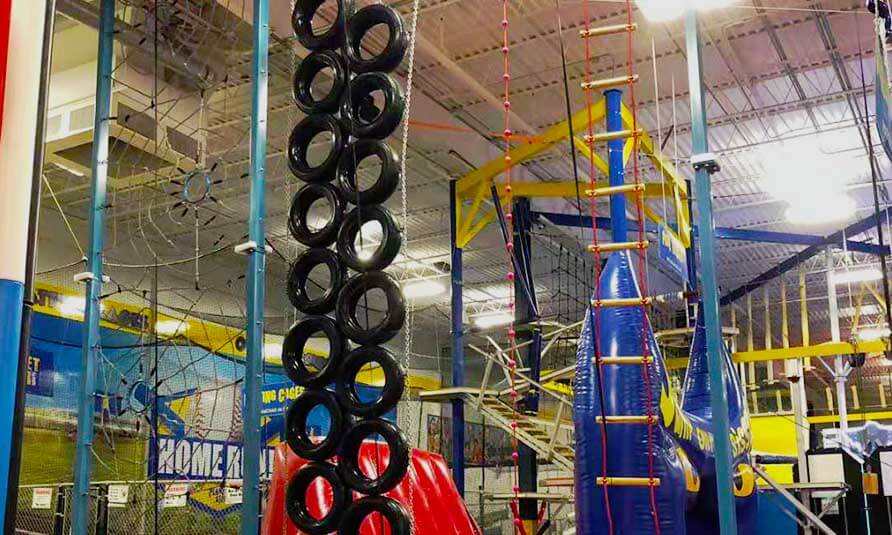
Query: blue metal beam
pixel 91 338
pixel 256 276
pixel 616 165
pixel 458 349
pixel 791 263
pixel 721 428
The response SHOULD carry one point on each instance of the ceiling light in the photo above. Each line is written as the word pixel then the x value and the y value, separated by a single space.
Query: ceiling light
pixel 857 275
pixel 493 319
pixel 171 327
pixel 272 350
pixel 666 10
pixel 816 212
pixel 423 288
pixel 864 310
pixel 872 334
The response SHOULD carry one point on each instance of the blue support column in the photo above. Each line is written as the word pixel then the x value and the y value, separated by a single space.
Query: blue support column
pixel 458 348
pixel 91 340
pixel 709 290
pixel 256 272
pixel 616 164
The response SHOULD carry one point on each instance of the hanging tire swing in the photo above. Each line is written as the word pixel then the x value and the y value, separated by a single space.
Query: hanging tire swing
pixel 394 382
pixel 359 25
pixel 305 75
pixel 349 463
pixel 299 146
pixel 302 23
pixel 299 278
pixel 390 239
pixel 294 349
pixel 362 88
pixel 385 184
pixel 296 499
pixel 393 513
pixel 299 215
pixel 348 303
pixel 300 442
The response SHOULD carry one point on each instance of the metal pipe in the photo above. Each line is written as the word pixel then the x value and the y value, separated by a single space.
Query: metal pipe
pixel 718 396
pixel 256 276
pixel 18 422
pixel 839 372
pixel 458 348
pixel 91 337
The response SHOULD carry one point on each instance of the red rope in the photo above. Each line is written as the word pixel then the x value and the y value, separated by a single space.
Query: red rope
pixel 509 249
pixel 642 276
pixel 597 308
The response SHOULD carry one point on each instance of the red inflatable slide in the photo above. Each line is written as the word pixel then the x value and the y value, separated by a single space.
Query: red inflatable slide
pixel 428 492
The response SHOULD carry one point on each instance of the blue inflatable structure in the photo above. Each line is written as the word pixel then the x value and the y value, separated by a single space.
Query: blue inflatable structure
pixel 677 450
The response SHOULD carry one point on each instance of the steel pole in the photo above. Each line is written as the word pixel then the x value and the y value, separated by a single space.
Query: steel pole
pixel 709 289
pixel 458 348
pixel 91 340
pixel 617 165
pixel 256 276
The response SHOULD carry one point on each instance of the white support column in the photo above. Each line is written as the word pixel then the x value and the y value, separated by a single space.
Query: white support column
pixel 17 142
pixel 838 361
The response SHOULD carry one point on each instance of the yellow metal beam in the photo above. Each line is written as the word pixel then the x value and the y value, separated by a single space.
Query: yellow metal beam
pixel 648 147
pixel 587 151
pixel 852 417
pixel 523 152
pixel 566 190
pixel 769 355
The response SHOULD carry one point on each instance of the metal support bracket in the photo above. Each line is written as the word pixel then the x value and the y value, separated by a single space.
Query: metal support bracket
pixel 89 276
pixel 707 162
pixel 249 247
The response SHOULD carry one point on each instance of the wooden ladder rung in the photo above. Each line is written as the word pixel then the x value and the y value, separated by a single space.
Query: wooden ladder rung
pixel 628 481
pixel 629 302
pixel 615 190
pixel 608 30
pixel 626 360
pixel 611 136
pixel 619 246
pixel 607 83
pixel 643 420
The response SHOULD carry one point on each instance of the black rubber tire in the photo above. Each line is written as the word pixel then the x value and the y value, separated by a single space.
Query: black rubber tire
pixel 293 349
pixel 391 392
pixel 296 497
pixel 388 179
pixel 384 254
pixel 307 71
pixel 299 143
pixel 394 513
pixel 394 51
pixel 349 299
pixel 356 100
pixel 301 22
pixel 298 277
pixel 296 425
pixel 348 462
pixel 300 207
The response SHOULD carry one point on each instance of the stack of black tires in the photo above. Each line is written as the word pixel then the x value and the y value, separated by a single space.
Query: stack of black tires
pixel 363 106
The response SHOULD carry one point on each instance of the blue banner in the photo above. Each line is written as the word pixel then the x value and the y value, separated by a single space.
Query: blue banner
pixel 40 376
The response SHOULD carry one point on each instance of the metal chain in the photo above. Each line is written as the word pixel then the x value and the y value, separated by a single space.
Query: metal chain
pixel 410 318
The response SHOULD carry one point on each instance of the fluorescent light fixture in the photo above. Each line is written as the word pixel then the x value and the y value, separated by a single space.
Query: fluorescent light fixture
pixel 494 318
pixel 171 327
pixel 866 310
pixel 666 10
pixel 857 275
pixel 872 334
pixel 423 288
pixel 72 306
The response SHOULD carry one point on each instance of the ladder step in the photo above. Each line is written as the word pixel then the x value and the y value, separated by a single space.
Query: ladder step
pixel 615 190
pixel 607 83
pixel 628 481
pixel 619 246
pixel 608 30
pixel 643 420
pixel 613 303
pixel 611 136
pixel 627 360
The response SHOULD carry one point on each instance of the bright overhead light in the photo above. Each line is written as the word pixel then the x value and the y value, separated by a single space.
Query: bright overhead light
pixel 857 275
pixel 865 310
pixel 872 334
pixel 171 327
pixel 666 10
pixel 423 288
pixel 830 210
pixel 272 350
pixel 71 306
pixel 493 319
